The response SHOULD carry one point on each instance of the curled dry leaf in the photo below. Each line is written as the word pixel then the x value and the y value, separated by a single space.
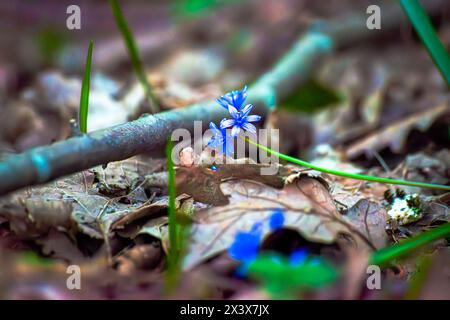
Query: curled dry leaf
pixel 74 202
pixel 203 183
pixel 121 177
pixel 147 210
pixel 139 257
pixel 426 168
pixel 58 245
pixel 436 210
pixel 29 217
pixel 308 206
pixel 395 134
pixel 370 218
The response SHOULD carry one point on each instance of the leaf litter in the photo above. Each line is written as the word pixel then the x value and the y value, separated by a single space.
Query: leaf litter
pixel 112 220
pixel 114 203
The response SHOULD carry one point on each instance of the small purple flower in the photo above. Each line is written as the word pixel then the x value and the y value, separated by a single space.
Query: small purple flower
pixel 246 244
pixel 234 98
pixel 276 220
pixel 241 120
pixel 221 140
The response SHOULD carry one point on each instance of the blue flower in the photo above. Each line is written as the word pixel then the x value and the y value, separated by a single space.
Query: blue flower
pixel 221 140
pixel 298 257
pixel 241 120
pixel 246 244
pixel 234 99
pixel 276 220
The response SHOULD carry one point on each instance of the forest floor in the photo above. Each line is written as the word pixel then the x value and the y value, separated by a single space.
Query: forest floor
pixel 378 107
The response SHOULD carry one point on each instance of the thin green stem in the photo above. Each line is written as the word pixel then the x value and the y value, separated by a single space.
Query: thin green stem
pixel 350 175
pixel 398 250
pixel 133 52
pixel 85 87
pixel 173 256
pixel 172 197
pixel 427 34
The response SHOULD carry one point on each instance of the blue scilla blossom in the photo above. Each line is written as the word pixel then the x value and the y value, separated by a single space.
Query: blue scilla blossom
pixel 241 120
pixel 299 256
pixel 234 98
pixel 246 244
pixel 276 220
pixel 221 140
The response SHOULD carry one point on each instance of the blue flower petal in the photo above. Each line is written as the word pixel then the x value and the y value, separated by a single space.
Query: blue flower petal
pixel 242 270
pixel 249 127
pixel 227 123
pixel 223 102
pixel 228 144
pixel 239 97
pixel 246 110
pixel 217 138
pixel 233 112
pixel 213 142
pixel 245 246
pixel 298 257
pixel 234 98
pixel 213 127
pixel 235 131
pixel 276 220
pixel 253 118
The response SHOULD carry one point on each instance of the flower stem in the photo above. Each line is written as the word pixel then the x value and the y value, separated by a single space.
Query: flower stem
pixel 350 175
pixel 386 255
pixel 173 268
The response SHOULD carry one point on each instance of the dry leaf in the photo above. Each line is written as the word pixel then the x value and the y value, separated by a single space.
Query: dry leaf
pixel 370 218
pixel 395 134
pixel 308 206
pixel 203 183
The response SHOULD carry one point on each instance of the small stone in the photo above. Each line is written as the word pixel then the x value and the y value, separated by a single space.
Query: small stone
pixel 187 157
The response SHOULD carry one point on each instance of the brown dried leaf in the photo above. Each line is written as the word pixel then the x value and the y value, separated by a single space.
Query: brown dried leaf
pixel 395 134
pixel 436 210
pixel 370 218
pixel 203 184
pixel 308 206
pixel 147 210
pixel 121 177
pixel 139 257
pixel 426 168
pixel 57 245
pixel 73 201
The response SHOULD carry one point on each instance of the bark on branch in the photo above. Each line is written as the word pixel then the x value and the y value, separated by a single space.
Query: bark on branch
pixel 45 163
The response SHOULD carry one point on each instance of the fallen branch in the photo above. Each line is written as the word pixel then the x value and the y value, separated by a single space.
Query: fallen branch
pixel 45 163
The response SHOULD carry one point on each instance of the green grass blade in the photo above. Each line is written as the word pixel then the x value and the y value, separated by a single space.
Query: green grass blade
pixel 427 34
pixel 85 87
pixel 419 277
pixel 172 197
pixel 173 256
pixel 131 46
pixel 350 175
pixel 386 255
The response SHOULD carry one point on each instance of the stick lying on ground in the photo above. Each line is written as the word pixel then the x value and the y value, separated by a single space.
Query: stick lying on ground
pixel 43 164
